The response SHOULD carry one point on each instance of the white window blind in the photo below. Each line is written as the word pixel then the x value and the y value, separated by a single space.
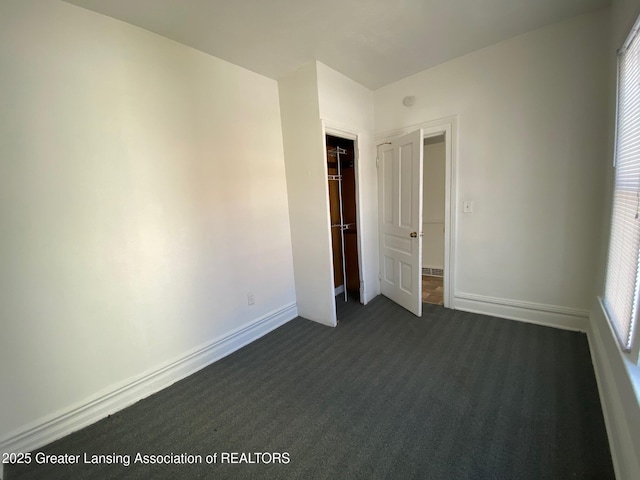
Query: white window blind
pixel 623 276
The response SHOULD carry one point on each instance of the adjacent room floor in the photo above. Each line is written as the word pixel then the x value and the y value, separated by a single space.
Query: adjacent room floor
pixel 432 290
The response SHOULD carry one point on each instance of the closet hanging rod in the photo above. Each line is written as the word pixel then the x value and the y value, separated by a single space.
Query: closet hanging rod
pixel 344 226
pixel 335 150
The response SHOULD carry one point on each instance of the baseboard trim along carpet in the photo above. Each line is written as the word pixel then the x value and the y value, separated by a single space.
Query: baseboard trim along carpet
pixel 120 396
pixel 548 315
pixel 452 395
pixel 624 456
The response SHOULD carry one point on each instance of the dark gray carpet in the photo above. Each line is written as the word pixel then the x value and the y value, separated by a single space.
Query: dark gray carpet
pixel 452 395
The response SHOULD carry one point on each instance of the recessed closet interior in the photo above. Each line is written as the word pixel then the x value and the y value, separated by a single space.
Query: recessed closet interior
pixel 344 233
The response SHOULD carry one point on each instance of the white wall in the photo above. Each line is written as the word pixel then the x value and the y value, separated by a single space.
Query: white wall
pixel 618 378
pixel 313 98
pixel 306 171
pixel 532 112
pixel 433 209
pixel 348 106
pixel 142 195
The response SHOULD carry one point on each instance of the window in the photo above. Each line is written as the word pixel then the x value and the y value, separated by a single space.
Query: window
pixel 623 276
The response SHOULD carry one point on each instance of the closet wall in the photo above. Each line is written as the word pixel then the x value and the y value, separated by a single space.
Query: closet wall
pixel 314 98
pixel 342 200
pixel 306 172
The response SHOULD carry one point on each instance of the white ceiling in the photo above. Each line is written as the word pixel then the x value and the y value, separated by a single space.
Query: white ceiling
pixel 374 42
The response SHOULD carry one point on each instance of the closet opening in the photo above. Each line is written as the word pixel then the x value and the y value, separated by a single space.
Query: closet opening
pixel 343 217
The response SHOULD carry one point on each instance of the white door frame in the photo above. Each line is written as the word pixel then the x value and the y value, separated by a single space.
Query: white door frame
pixel 330 129
pixel 448 126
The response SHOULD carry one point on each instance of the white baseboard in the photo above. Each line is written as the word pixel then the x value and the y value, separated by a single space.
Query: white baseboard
pixel 609 377
pixel 601 364
pixel 440 267
pixel 116 398
pixel 538 313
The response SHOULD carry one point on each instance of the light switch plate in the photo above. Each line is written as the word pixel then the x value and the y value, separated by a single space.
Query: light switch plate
pixel 468 206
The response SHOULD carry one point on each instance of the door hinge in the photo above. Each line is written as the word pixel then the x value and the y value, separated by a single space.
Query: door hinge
pixel 377 162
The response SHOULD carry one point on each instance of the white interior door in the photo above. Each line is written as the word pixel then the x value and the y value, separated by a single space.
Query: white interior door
pixel 400 220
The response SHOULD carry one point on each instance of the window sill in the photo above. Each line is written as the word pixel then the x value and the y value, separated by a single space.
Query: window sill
pixel 629 360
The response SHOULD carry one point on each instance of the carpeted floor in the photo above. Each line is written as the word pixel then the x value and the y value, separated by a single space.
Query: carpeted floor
pixel 451 395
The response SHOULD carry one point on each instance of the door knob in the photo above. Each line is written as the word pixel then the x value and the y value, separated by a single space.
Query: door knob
pixel 413 234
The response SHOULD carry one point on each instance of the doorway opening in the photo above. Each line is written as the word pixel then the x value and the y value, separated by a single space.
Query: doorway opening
pixel 341 180
pixel 401 215
pixel 434 159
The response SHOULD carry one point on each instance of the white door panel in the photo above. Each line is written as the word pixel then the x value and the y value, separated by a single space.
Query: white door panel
pixel 400 218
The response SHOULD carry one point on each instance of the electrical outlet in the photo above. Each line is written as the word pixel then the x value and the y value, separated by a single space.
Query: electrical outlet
pixel 250 299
